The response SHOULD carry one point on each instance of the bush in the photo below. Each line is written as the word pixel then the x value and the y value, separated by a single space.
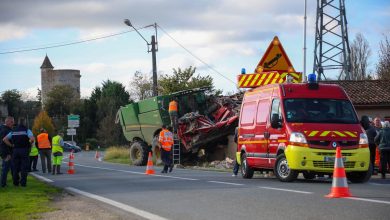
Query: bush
pixel 117 154
pixel 93 143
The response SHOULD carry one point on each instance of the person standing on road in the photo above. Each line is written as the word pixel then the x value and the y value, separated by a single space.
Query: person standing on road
pixel 371 133
pixel 165 143
pixel 383 141
pixel 44 146
pixel 236 165
pixel 173 114
pixel 58 151
pixel 5 150
pixel 33 158
pixel 21 138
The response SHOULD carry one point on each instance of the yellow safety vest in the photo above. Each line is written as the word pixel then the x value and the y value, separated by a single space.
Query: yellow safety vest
pixel 34 151
pixel 56 144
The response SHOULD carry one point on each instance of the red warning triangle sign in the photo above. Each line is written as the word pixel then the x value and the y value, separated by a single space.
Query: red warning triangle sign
pixel 275 59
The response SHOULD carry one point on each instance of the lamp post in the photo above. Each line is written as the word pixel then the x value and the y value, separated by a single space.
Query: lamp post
pixel 154 48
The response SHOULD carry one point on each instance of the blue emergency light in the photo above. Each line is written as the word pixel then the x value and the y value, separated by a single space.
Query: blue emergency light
pixel 312 78
pixel 243 71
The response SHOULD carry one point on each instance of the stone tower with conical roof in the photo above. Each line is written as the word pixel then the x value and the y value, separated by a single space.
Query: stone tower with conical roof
pixel 51 78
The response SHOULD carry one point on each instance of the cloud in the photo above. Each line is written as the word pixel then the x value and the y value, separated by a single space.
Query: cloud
pixel 10 31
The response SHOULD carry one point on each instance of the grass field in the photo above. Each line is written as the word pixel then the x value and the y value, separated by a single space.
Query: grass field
pixel 26 202
pixel 117 154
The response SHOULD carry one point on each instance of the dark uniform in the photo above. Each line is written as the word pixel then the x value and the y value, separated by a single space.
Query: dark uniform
pixel 5 151
pixel 20 137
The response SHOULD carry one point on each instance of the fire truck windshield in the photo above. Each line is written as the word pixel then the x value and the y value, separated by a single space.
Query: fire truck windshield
pixel 319 111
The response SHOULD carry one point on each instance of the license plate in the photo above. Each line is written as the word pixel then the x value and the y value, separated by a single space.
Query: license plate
pixel 332 159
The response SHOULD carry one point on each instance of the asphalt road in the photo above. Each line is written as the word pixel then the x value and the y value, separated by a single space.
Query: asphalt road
pixel 194 194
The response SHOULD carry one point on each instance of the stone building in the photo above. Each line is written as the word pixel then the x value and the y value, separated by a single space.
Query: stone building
pixel 51 77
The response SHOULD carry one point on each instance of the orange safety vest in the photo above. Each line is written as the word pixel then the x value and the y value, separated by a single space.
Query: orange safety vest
pixel 166 139
pixel 43 141
pixel 172 106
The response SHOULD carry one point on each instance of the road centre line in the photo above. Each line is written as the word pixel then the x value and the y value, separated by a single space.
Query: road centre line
pixel 133 172
pixel 369 200
pixel 119 205
pixel 44 179
pixel 286 190
pixel 227 183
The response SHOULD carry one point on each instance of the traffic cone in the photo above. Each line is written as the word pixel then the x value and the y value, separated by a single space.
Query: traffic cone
pixel 339 184
pixel 97 155
pixel 71 164
pixel 149 166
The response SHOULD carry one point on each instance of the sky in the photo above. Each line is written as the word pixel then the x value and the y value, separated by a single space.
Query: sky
pixel 227 35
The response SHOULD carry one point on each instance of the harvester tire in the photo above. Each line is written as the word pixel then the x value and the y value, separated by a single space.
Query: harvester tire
pixel 139 153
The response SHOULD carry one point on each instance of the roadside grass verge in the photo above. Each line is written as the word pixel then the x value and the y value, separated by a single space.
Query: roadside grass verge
pixel 26 202
pixel 117 154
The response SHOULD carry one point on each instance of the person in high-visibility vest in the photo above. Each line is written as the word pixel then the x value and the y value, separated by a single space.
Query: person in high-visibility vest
pixel 44 146
pixel 58 151
pixel 165 142
pixel 33 158
pixel 173 114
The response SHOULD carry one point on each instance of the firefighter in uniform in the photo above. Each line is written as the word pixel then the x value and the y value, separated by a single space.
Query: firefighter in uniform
pixel 44 146
pixel 166 142
pixel 58 151
pixel 173 113
pixel 21 139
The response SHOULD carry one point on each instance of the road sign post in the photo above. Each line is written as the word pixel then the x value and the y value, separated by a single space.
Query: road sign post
pixel 73 123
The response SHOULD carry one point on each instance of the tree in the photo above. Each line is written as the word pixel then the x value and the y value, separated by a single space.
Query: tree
pixel 141 86
pixel 383 66
pixel 360 52
pixel 59 101
pixel 183 80
pixel 109 98
pixel 12 98
pixel 43 121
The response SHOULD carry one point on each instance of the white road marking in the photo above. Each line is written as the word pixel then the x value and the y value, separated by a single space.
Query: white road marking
pixel 133 172
pixel 227 183
pixel 41 178
pixel 378 184
pixel 122 206
pixel 286 190
pixel 369 200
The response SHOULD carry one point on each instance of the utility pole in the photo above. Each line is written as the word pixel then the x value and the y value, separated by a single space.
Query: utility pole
pixel 154 48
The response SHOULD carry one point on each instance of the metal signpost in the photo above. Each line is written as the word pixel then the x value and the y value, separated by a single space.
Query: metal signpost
pixel 73 122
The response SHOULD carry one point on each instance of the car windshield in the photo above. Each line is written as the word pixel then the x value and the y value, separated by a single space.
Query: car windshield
pixel 319 111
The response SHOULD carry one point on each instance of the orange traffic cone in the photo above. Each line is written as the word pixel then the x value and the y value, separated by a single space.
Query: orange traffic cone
pixel 71 164
pixel 149 166
pixel 97 155
pixel 339 184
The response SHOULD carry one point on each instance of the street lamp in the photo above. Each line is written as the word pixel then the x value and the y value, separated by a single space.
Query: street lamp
pixel 154 49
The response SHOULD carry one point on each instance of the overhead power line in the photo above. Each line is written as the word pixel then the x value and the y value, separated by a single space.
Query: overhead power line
pixel 68 44
pixel 196 57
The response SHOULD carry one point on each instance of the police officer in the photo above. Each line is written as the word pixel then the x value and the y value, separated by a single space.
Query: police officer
pixel 58 151
pixel 21 138
pixel 5 150
pixel 165 143
pixel 44 146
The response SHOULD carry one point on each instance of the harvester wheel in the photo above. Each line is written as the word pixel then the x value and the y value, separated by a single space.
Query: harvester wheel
pixel 139 153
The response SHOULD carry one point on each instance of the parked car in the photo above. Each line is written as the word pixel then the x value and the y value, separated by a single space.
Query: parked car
pixel 69 146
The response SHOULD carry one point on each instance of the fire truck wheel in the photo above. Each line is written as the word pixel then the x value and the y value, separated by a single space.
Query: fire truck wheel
pixel 308 175
pixel 282 171
pixel 360 177
pixel 246 171
pixel 139 153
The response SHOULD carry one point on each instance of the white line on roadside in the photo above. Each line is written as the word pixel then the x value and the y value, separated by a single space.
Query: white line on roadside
pixel 122 206
pixel 378 184
pixel 369 200
pixel 41 178
pixel 234 184
pixel 286 190
pixel 133 172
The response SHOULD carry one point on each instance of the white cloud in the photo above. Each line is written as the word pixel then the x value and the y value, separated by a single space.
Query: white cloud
pixel 10 31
